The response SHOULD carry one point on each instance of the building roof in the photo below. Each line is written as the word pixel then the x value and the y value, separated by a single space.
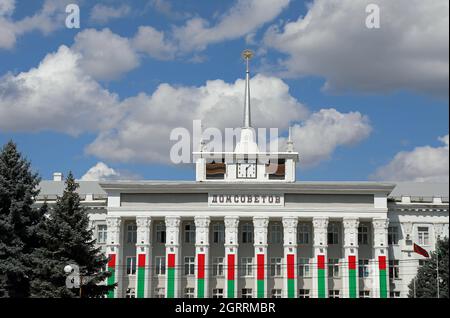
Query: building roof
pixel 418 191
pixel 51 189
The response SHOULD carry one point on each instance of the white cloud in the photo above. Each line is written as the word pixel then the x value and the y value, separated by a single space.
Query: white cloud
pixel 100 172
pixel 154 43
pixel 58 96
pixel 48 19
pixel 318 136
pixel 143 135
pixel 101 14
pixel 421 164
pixel 7 7
pixel 105 55
pixel 409 51
pixel 243 18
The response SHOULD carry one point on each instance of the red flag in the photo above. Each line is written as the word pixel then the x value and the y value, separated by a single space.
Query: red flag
pixel 421 251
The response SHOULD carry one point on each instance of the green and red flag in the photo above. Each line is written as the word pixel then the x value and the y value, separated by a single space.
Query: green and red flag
pixel 230 275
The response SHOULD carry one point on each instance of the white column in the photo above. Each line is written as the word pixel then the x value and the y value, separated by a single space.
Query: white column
pixel 350 279
pixel 231 256
pixel 202 256
pixel 114 253
pixel 260 225
pixel 290 257
pixel 173 266
pixel 320 277
pixel 380 264
pixel 143 257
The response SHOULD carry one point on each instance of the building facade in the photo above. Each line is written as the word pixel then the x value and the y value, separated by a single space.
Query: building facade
pixel 246 228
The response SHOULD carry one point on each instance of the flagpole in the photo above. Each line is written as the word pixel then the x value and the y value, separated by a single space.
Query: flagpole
pixel 437 270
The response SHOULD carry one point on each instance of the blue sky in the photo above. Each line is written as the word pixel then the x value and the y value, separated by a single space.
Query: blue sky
pixel 374 103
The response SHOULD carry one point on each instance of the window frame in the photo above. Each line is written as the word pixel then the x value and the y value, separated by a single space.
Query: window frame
pixel 248 293
pixel 247 267
pixel 303 233
pixel 423 237
pixel 276 267
pixel 160 268
pixel 276 293
pixel 247 233
pixel 304 293
pixel 393 236
pixel 218 231
pixel 131 233
pixel 276 233
pixel 218 266
pixel 160 229
pixel 189 266
pixel 364 268
pixel 102 234
pixel 333 233
pixel 304 266
pixel 189 233
pixel 394 269
pixel 130 265
pixel 334 268
pixel 363 234
pixel 217 293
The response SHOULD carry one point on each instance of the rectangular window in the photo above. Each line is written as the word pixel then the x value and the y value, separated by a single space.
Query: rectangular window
pixel 364 294
pixel 189 293
pixel 394 294
pixel 189 265
pixel 247 233
pixel 218 266
pixel 160 233
pixel 304 267
pixel 393 235
pixel 303 233
pixel 276 293
pixel 303 293
pixel 363 235
pixel 276 267
pixel 394 269
pixel 333 267
pixel 247 293
pixel 333 233
pixel 160 292
pixel 189 233
pixel 246 266
pixel 423 235
pixel 219 233
pixel 101 233
pixel 334 293
pixel 131 233
pixel 131 265
pixel 217 293
pixel 276 233
pixel 160 265
pixel 363 268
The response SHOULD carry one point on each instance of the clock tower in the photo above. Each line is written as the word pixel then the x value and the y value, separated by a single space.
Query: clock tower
pixel 247 163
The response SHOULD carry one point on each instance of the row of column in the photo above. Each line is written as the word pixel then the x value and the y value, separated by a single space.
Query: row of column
pixel 202 223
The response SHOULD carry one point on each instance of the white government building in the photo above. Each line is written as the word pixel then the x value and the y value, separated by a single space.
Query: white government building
pixel 246 228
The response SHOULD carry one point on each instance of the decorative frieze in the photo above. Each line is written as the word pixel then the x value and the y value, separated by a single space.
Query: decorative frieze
pixel 173 230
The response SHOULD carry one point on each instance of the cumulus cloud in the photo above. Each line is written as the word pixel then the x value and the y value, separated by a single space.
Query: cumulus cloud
pixel 102 14
pixel 154 43
pixel 409 51
pixel 243 18
pixel 48 19
pixel 58 96
pixel 318 136
pixel 104 54
pixel 100 172
pixel 421 164
pixel 144 134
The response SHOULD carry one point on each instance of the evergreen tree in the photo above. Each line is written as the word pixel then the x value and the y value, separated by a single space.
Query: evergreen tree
pixel 68 240
pixel 425 285
pixel 18 221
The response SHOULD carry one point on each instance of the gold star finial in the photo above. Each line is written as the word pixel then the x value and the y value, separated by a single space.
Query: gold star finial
pixel 247 54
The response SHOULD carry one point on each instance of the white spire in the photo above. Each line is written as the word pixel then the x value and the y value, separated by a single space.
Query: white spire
pixel 247 55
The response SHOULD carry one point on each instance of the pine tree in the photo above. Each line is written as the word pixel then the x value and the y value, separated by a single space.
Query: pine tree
pixel 18 221
pixel 425 285
pixel 68 240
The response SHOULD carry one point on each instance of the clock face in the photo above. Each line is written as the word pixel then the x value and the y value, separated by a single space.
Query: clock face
pixel 246 170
